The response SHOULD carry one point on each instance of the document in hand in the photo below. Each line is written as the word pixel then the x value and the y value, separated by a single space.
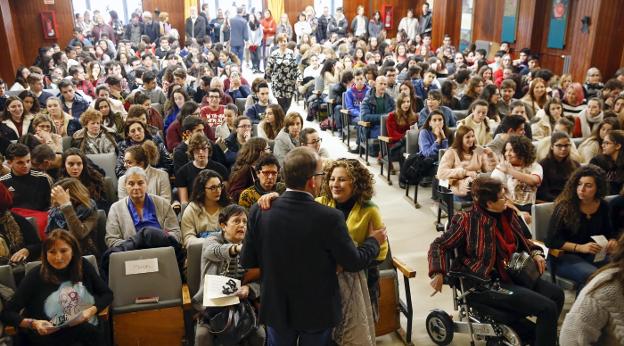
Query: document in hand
pixel 603 242
pixel 220 290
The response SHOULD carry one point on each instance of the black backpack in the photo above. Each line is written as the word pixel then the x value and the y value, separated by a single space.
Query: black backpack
pixel 415 168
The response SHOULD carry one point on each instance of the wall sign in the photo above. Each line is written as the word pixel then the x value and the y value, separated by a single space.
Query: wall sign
pixel 558 23
pixel 510 21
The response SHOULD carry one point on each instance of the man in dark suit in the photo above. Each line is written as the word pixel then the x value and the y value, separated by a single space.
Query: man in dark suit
pixel 239 33
pixel 195 26
pixel 298 244
pixel 151 28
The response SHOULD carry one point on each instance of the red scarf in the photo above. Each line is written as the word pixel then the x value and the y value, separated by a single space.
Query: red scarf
pixel 506 241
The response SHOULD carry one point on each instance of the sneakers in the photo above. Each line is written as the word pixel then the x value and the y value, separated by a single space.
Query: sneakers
pixel 354 151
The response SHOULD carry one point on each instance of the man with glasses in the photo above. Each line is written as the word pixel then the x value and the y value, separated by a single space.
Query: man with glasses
pixel 200 149
pixel 297 244
pixel 309 137
pixel 267 171
pixel 213 113
pixel 391 77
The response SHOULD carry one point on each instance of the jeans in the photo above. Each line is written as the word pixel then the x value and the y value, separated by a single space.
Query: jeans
pixel 574 267
pixel 255 58
pixel 239 50
pixel 266 49
pixel 545 302
pixel 289 337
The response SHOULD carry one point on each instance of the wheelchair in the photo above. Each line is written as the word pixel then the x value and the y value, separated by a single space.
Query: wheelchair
pixel 480 321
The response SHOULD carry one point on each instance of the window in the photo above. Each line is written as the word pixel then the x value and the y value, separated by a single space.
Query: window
pixel 123 7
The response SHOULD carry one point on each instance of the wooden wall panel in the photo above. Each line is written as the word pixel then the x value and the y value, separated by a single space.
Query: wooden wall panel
pixel 293 8
pixel 370 6
pixel 607 48
pixel 28 25
pixel 175 8
pixel 12 56
pixel 487 20
pixel 446 20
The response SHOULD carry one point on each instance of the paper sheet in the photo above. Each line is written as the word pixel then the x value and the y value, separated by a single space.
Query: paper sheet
pixel 213 291
pixel 603 242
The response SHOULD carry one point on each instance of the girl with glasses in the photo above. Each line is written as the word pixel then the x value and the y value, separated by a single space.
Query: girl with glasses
pixel 558 166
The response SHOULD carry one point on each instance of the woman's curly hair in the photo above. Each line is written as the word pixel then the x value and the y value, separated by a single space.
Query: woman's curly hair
pixel 363 180
pixel 523 148
pixel 567 204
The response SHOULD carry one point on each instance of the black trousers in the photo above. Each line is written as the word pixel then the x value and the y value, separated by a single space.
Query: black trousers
pixel 284 102
pixel 545 302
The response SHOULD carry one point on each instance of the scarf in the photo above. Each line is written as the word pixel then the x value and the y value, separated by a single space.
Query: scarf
pixel 506 244
pixel 57 218
pixel 587 124
pixel 11 232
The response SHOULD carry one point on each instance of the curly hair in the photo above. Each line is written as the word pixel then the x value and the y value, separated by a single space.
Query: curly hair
pixel 567 204
pixel 523 148
pixel 363 180
pixel 199 188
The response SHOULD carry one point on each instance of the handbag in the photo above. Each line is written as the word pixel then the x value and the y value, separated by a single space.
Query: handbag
pixel 522 269
pixel 231 324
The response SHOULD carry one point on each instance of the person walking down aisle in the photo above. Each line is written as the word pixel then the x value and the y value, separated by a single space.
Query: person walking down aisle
pixel 298 235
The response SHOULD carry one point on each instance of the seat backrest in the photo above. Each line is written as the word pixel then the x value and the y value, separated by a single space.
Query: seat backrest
pixel 540 218
pixel 66 142
pixel 240 104
pixel 165 283
pixel 193 268
pixel 460 114
pixel 411 141
pixel 343 100
pixel 383 131
pixel 6 277
pixel 110 189
pixel 608 199
pixel 481 44
pixel 30 265
pixel 577 141
pixel 254 130
pixel 105 161
pixel 101 231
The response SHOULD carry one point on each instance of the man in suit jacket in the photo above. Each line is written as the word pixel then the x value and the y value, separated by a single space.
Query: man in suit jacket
pixel 195 26
pixel 297 244
pixel 239 34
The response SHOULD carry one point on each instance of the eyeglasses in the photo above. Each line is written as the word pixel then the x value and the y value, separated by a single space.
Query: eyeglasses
pixel 317 174
pixel 318 140
pixel 269 173
pixel 244 126
pixel 214 97
pixel 214 187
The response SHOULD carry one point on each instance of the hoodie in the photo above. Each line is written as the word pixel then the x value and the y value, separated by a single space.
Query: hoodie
pixel 353 99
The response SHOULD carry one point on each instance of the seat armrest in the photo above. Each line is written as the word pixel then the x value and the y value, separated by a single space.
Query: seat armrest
pixel 469 276
pixel 186 297
pixel 385 139
pixel 551 252
pixel 331 101
pixel 403 268
pixel 104 313
pixel 344 111
pixel 364 123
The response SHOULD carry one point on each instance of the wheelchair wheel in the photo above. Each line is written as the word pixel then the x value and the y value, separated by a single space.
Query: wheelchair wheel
pixel 508 337
pixel 440 327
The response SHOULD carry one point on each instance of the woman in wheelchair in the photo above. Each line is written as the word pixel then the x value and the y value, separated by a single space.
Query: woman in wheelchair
pixel 580 213
pixel 485 238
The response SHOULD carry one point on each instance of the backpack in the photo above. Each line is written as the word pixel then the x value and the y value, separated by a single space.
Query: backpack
pixel 415 168
pixel 327 124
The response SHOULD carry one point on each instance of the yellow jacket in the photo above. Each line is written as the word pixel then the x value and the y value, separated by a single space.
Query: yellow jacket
pixel 358 220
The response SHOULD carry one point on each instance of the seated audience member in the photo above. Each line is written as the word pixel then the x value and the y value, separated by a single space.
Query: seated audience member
pixel 266 171
pixel 237 139
pixel 74 164
pixel 201 216
pixel 288 137
pixel 399 122
pixel 39 306
pixel 73 210
pixel 612 160
pixel 227 126
pixel 154 118
pixel 111 120
pixel 595 317
pixel 174 133
pixel 618 109
pixel 44 132
pixel 44 160
pixel 473 90
pixel 253 97
pixel 546 118
pixel 592 145
pixel 507 91
pixel 15 123
pixel 497 227
pixel 448 90
pixel 580 213
pixel 213 112
pixel 145 155
pixel 139 211
pixel 136 133
pixel 237 90
pixel 423 86
pixel 71 101
pixel 433 136
pixel 355 94
pixel 190 126
pixel 464 161
pixel 273 122
pixel 173 106
pixel 376 103
pixel 200 150
pixel 19 241
pixel 519 172
pixel 520 109
pixel 336 93
pixel 432 103
pixel 136 112
pixel 151 89
pixel 63 122
pixel 593 83
pixel 479 122
pixel 589 118
pixel 116 106
pixel 573 101
pixel 558 166
pixel 542 146
pixel 511 125
pixel 256 112
pixel 93 138
pixel 30 188
pixel 35 81
pixel 309 137
pixel 536 98
pixel 223 251
pixel 242 174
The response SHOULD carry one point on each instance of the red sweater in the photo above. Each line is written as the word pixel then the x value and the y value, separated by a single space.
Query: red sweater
pixel 269 27
pixel 395 132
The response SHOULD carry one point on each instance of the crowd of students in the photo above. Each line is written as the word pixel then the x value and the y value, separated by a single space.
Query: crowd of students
pixel 171 114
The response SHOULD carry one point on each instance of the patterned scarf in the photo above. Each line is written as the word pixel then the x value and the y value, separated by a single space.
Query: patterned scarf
pixel 11 232
pixel 57 219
